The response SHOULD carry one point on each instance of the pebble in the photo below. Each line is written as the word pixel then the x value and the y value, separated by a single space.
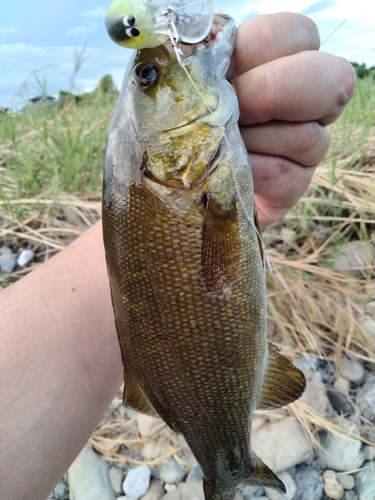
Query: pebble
pixel 291 489
pixel 88 477
pixel 365 398
pixel 116 477
pixel 309 483
pixel 250 492
pixel 342 453
pixel 353 256
pixel 60 491
pixel 25 257
pixel 346 480
pixel 171 472
pixel 342 384
pixel 8 262
pixel 352 370
pixel 155 491
pixel 332 488
pixel 186 491
pixel 137 481
pixel 339 401
pixel 369 452
pixel 368 324
pixel 307 364
pixel 195 473
pixel 315 394
pixel 146 424
pixel 287 444
pixel 365 484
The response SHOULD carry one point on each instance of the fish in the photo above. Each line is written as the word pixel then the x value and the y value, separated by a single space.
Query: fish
pixel 186 263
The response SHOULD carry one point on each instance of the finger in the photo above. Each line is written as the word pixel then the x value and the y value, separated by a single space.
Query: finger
pixel 268 37
pixel 305 143
pixel 278 183
pixel 302 87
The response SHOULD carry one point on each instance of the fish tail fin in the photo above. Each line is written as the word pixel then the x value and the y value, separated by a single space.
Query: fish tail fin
pixel 263 476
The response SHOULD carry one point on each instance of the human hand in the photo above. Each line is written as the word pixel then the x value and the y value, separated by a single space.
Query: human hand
pixel 288 92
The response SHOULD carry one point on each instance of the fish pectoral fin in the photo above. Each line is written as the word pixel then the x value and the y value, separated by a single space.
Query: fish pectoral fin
pixel 220 242
pixel 134 397
pixel 283 382
pixel 263 476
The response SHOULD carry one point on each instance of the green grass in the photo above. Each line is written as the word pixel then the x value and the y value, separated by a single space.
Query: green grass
pixel 50 149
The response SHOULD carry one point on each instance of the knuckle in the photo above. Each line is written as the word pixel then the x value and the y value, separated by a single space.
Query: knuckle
pixel 312 142
pixel 312 34
pixel 348 82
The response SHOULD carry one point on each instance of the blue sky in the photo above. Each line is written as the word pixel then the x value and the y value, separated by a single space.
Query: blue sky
pixel 45 36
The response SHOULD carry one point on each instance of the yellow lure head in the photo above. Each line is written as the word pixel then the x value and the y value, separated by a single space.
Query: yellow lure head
pixel 131 24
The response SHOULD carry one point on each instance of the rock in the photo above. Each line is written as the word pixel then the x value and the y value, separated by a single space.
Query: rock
pixel 8 262
pixel 195 474
pixel 369 452
pixel 366 398
pixel 61 491
pixel 25 257
pixel 342 452
pixel 155 491
pixel 115 404
pixel 4 249
pixel 309 483
pixel 186 491
pixel 339 401
pixel 332 488
pixel 88 477
pixel 287 479
pixel 352 370
pixel 116 477
pixel 368 324
pixel 365 484
pixel 354 258
pixel 153 450
pixel 315 394
pixel 171 472
pixel 307 364
pixel 346 481
pixel 250 492
pixel 146 424
pixel 137 481
pixel 342 384
pixel 282 445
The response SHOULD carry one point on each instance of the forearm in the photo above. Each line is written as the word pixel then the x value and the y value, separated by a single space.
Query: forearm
pixel 60 365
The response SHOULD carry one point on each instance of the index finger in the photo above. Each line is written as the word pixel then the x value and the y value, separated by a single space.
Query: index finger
pixel 271 36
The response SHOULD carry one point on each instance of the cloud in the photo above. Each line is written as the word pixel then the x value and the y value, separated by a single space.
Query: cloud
pixel 95 13
pixel 8 30
pixel 80 31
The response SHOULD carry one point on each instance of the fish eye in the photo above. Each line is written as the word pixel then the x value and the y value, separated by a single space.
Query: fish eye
pixel 145 74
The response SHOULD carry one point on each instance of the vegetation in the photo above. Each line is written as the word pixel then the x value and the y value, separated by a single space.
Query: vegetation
pixel 51 160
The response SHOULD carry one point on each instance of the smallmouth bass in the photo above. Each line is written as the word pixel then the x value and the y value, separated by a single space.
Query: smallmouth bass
pixel 185 261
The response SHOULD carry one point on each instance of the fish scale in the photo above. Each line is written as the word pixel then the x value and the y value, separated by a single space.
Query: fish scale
pixel 185 265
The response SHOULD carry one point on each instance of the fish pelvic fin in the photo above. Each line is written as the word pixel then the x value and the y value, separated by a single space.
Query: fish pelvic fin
pixel 283 382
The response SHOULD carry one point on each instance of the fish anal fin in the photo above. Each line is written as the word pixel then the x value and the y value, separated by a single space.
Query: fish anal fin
pixel 283 382
pixel 134 397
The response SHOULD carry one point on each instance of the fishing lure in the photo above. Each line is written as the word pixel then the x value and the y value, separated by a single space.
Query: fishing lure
pixel 140 24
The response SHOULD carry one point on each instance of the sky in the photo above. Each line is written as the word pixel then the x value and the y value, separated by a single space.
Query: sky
pixel 42 40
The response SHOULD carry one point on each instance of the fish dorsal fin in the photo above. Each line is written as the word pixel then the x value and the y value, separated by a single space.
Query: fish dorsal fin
pixel 283 382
